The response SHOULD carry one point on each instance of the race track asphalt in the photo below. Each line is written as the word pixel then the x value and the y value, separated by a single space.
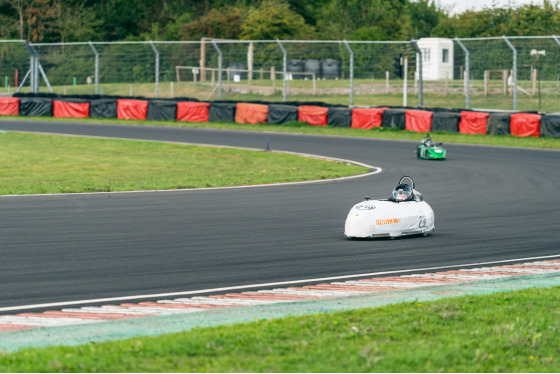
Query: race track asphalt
pixel 490 203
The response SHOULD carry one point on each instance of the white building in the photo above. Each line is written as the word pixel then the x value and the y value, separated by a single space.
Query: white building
pixel 437 58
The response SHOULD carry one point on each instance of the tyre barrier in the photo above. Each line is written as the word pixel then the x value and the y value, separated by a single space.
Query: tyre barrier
pixel 422 120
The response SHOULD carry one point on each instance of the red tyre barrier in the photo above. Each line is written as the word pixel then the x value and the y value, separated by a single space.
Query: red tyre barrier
pixel 132 109
pixel 9 106
pixel 418 120
pixel 367 118
pixel 251 113
pixel 192 111
pixel 473 122
pixel 525 124
pixel 68 109
pixel 313 114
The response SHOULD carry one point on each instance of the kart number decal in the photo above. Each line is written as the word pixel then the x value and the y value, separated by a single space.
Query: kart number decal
pixel 422 223
pixel 387 221
pixel 365 207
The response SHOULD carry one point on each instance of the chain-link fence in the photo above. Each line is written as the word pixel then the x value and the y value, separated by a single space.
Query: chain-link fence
pixel 507 73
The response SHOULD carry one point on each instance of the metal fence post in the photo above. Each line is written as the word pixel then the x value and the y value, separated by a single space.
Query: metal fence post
pixel 32 68
pixel 467 71
pixel 420 78
pixel 351 73
pixel 96 67
pixel 157 67
pixel 555 38
pixel 284 70
pixel 44 77
pixel 219 68
pixel 514 71
pixel 35 69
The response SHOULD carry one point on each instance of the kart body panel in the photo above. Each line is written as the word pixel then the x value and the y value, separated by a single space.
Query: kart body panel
pixel 386 218
pixel 431 152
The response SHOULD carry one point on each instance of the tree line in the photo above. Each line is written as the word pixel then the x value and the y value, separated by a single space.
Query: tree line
pixel 134 20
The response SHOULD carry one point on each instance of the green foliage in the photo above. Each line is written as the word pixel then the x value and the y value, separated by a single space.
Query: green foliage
pixel 340 18
pixel 424 16
pixel 173 28
pixel 76 23
pixel 526 20
pixel 273 19
pixel 222 23
pixel 369 33
pixel 116 20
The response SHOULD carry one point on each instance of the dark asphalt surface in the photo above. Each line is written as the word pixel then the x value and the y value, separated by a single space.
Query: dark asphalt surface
pixel 490 204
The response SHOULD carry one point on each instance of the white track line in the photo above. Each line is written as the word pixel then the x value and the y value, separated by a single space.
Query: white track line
pixel 262 285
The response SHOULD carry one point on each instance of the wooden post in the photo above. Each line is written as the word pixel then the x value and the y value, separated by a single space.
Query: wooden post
pixel 534 78
pixel 250 80
pixel 171 93
pixel 314 85
pixel 504 81
pixel 486 74
pixel 446 83
pixel 386 82
pixel 250 63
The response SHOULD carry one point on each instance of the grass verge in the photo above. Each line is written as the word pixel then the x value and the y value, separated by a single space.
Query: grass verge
pixel 42 164
pixel 503 332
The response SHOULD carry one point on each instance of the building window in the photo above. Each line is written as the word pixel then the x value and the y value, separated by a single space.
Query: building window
pixel 425 54
pixel 445 55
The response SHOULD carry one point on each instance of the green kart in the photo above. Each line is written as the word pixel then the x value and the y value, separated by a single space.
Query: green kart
pixel 427 150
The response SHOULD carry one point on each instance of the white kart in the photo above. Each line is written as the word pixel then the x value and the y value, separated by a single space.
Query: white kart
pixel 404 213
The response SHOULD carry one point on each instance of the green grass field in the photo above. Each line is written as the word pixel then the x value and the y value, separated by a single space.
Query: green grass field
pixel 505 332
pixel 38 164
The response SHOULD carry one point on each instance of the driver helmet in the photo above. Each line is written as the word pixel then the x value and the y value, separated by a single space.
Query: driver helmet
pixel 428 141
pixel 402 192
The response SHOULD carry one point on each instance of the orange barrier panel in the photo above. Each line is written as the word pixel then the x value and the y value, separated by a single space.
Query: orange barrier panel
pixel 366 118
pixel 69 109
pixel 473 122
pixel 418 120
pixel 525 124
pixel 9 106
pixel 192 111
pixel 313 114
pixel 132 109
pixel 251 113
